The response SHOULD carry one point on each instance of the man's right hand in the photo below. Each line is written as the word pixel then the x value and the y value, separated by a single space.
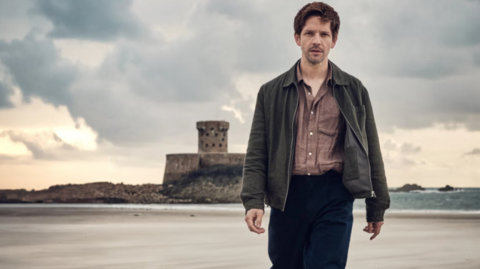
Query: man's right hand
pixel 253 218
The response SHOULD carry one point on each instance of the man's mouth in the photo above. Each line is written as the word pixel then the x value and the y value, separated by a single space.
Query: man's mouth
pixel 316 50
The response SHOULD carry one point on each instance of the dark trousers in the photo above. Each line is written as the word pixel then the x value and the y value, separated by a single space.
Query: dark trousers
pixel 314 230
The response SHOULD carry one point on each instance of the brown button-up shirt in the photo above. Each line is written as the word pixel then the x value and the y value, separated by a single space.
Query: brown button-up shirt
pixel 320 129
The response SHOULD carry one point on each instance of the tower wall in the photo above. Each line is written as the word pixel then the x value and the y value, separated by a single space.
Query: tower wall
pixel 208 159
pixel 212 136
pixel 179 164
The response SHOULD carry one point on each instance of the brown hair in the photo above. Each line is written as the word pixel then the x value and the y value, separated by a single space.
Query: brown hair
pixel 326 12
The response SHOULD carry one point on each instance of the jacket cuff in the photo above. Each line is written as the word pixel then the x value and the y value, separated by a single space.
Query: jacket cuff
pixel 252 205
pixel 375 215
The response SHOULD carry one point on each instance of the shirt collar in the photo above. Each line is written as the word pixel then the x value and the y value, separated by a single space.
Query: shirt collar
pixel 300 77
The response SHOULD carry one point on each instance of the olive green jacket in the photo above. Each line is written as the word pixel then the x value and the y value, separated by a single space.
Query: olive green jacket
pixel 269 158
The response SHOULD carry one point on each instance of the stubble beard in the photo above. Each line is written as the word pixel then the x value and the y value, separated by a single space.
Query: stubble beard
pixel 314 61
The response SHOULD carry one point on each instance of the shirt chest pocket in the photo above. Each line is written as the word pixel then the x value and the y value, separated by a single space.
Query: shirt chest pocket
pixel 328 122
pixel 328 116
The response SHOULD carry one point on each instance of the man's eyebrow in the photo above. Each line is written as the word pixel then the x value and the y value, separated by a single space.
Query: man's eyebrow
pixel 322 32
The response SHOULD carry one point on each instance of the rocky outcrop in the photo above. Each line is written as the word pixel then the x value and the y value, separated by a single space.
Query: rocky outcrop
pixel 408 188
pixel 215 184
pixel 97 192
pixel 449 188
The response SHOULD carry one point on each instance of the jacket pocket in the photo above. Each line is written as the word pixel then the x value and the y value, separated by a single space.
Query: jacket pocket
pixel 350 168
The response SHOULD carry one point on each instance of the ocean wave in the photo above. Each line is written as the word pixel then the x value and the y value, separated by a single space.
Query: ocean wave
pixel 437 191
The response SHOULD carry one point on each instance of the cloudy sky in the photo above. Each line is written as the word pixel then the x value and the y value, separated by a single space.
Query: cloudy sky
pixel 103 90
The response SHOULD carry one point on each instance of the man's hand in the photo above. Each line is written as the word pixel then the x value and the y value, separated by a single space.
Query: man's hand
pixel 373 227
pixel 253 218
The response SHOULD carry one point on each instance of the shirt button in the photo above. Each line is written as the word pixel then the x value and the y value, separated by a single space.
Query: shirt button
pixel 311 112
pixel 309 153
pixel 308 173
pixel 311 133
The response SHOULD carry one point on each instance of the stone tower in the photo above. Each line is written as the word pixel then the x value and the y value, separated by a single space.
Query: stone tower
pixel 212 150
pixel 212 136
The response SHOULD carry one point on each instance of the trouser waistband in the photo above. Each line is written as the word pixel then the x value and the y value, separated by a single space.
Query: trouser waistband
pixel 329 174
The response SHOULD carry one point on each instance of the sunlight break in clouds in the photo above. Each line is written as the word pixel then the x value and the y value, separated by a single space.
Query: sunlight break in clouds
pixel 41 129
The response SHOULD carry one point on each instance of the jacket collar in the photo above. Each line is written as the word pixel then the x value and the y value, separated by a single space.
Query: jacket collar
pixel 338 76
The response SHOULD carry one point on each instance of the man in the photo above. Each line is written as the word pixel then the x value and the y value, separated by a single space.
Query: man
pixel 313 149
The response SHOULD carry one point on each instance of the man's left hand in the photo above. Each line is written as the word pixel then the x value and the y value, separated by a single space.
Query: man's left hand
pixel 373 227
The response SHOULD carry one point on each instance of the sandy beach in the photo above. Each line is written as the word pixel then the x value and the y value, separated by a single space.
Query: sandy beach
pixel 126 238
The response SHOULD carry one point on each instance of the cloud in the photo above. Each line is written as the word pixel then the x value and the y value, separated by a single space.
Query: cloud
pixel 14 19
pixel 89 19
pixel 147 90
pixel 456 28
pixel 37 68
pixel 475 151
pixel 401 153
pixel 408 162
pixel 402 148
pixel 5 92
pixel 43 146
pixel 430 40
pixel 139 89
pixel 259 35
pixel 417 103
pixel 408 148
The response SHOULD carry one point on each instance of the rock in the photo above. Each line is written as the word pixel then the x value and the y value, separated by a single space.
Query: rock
pixel 408 188
pixel 449 188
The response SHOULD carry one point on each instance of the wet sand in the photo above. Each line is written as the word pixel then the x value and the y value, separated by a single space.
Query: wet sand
pixel 125 238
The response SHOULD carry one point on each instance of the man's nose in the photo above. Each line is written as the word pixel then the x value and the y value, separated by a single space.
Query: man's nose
pixel 317 39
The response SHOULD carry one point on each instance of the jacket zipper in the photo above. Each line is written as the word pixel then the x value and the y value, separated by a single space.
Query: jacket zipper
pixel 372 193
pixel 291 150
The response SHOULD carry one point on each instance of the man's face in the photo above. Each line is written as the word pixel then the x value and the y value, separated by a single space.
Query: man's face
pixel 315 40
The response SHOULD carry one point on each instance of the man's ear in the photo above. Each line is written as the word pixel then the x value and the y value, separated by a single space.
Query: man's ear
pixel 297 39
pixel 334 42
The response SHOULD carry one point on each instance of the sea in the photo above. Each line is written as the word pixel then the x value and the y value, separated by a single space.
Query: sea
pixel 464 200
